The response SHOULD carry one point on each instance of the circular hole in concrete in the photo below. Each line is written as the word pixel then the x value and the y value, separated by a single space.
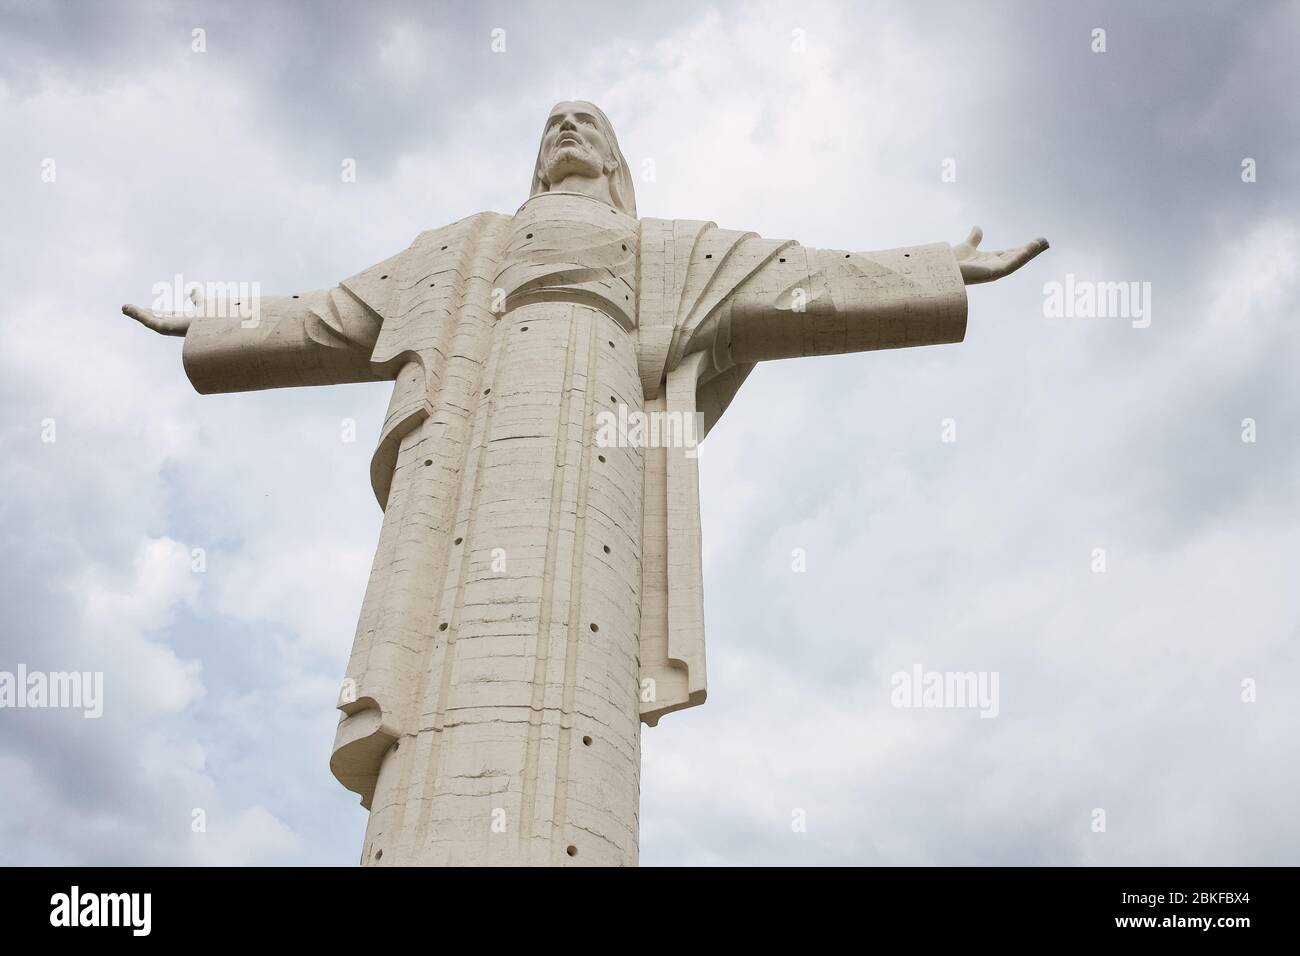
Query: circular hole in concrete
pixel 586 741
pixel 606 547
pixel 442 626
pixel 594 627
pixel 459 540
pixel 572 850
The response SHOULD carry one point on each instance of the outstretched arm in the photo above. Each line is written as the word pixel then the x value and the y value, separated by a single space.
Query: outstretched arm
pixel 315 338
pixel 804 301
pixel 240 341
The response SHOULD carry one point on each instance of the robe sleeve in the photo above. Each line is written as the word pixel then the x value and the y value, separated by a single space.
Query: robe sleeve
pixel 315 338
pixel 803 302
pixel 711 303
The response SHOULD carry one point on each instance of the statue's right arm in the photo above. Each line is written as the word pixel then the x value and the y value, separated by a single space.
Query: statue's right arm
pixel 257 342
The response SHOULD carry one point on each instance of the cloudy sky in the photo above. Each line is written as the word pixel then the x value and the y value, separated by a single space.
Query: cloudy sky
pixel 1119 690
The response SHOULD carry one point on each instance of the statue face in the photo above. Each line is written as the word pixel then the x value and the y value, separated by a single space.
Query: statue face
pixel 573 144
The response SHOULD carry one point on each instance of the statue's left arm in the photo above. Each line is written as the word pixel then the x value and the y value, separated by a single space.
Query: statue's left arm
pixel 802 301
pixel 714 302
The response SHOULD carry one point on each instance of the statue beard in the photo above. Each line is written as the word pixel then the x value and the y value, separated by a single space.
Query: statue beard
pixel 568 160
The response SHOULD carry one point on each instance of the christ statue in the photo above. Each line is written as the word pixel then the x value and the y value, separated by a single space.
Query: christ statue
pixel 537 592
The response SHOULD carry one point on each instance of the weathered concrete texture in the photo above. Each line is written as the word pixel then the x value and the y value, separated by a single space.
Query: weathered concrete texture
pixel 527 701
pixel 536 594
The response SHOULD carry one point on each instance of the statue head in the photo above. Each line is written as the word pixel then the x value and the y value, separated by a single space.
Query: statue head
pixel 580 154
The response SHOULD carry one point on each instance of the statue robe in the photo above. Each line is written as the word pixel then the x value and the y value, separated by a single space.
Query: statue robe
pixel 535 595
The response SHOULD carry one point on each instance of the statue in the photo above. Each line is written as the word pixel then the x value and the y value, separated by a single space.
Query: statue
pixel 537 594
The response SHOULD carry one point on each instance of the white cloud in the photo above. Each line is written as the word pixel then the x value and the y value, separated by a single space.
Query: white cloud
pixel 254 837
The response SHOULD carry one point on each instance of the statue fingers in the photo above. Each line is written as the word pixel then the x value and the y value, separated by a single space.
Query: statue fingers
pixel 1013 259
pixel 157 321
pixel 1033 248
pixel 967 247
pixel 140 314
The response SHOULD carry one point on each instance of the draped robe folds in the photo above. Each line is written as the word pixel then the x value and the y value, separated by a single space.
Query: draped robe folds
pixel 534 595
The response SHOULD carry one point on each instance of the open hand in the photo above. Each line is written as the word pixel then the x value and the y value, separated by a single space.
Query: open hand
pixel 175 323
pixel 979 266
